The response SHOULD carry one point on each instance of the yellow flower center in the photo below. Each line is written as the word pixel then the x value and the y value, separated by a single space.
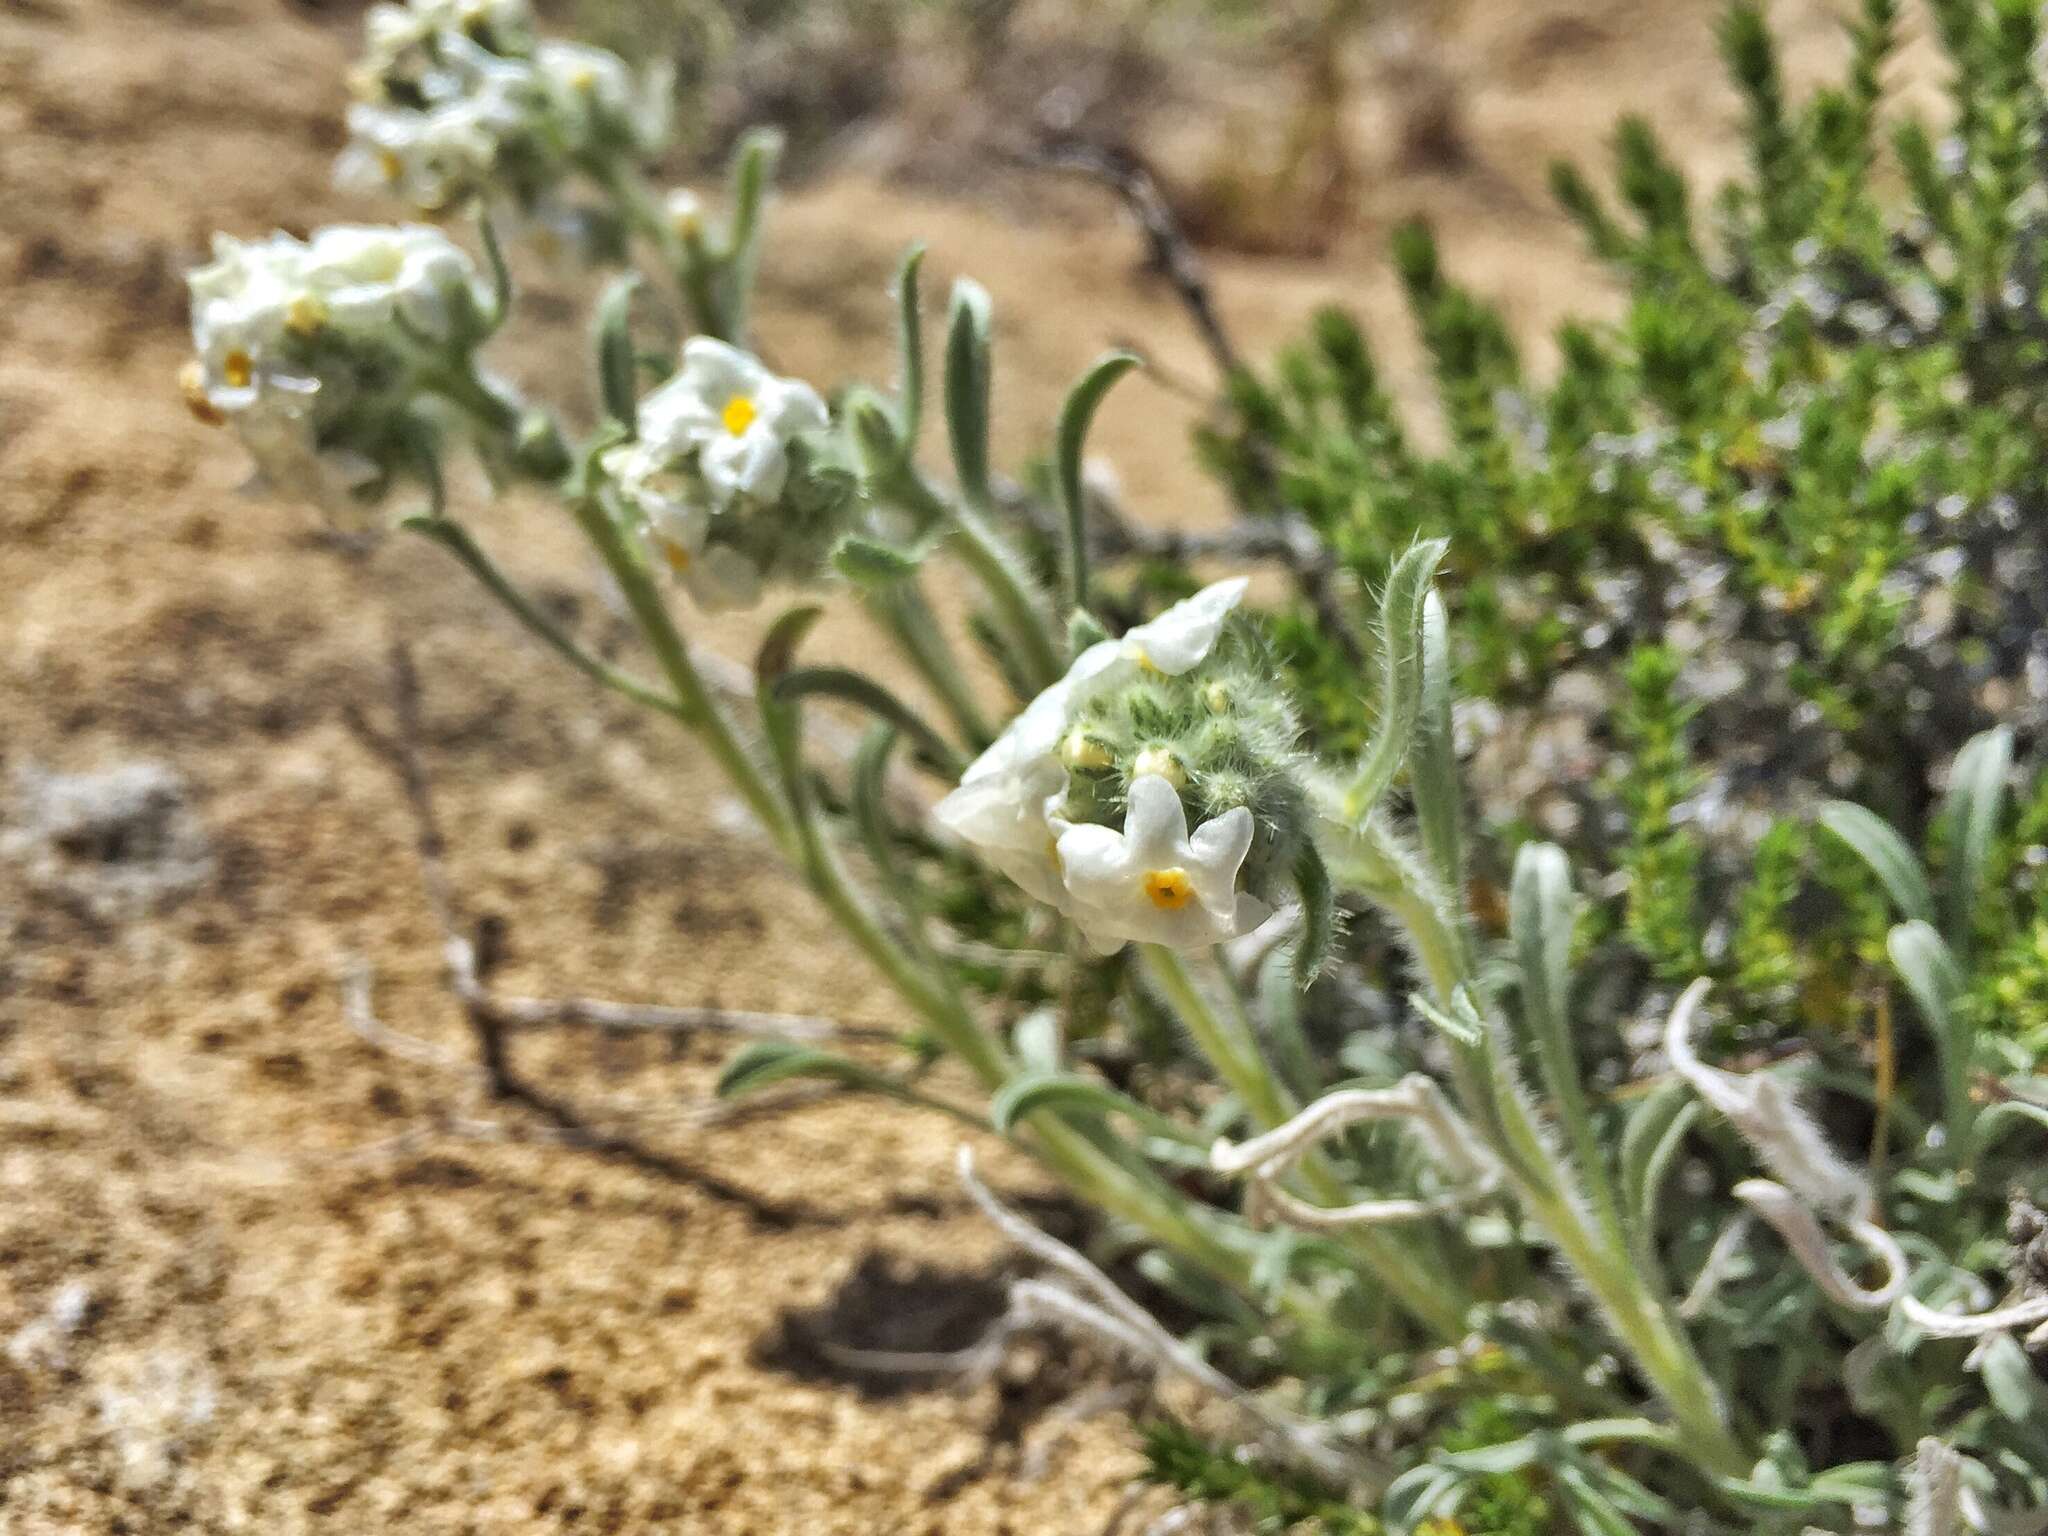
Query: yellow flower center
pixel 678 557
pixel 1170 889
pixel 238 368
pixel 389 163
pixel 583 80
pixel 738 415
pixel 192 382
pixel 306 314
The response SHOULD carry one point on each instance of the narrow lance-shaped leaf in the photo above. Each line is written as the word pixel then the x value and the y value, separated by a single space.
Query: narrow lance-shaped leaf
pixel 1541 910
pixel 1433 760
pixel 1649 1144
pixel 779 718
pixel 501 274
pixel 1318 915
pixel 910 343
pixel 1931 973
pixel 1872 840
pixel 860 689
pixel 615 373
pixel 967 388
pixel 1401 649
pixel 1976 792
pixel 1023 1096
pixel 761 1063
pixel 753 168
pixel 1076 415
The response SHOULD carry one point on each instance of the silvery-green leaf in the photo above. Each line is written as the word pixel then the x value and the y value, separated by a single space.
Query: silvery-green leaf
pixel 1976 791
pixel 1076 415
pixel 967 387
pixel 1872 840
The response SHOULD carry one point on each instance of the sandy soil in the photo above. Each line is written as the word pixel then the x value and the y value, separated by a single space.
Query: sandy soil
pixel 259 1276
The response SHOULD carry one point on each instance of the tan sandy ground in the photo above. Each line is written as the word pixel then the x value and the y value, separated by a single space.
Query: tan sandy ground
pixel 302 1309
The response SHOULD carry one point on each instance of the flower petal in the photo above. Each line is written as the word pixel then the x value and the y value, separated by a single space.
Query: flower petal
pixel 1183 636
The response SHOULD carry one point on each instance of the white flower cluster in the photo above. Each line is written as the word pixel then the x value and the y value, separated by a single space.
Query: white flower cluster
pixel 1152 881
pixel 457 100
pixel 711 469
pixel 308 347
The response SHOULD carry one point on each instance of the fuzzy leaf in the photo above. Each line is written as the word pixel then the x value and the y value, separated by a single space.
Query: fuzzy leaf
pixel 967 387
pixel 761 1063
pixel 1433 766
pixel 859 689
pixel 753 168
pixel 1872 840
pixel 1022 1096
pixel 910 344
pixel 1401 652
pixel 1318 915
pixel 615 370
pixel 1076 415
pixel 1976 791
pixel 1649 1143
pixel 869 563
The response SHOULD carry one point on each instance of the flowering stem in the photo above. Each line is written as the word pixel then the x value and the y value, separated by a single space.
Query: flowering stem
pixel 684 255
pixel 1436 1299
pixel 901 609
pixel 697 708
pixel 1494 1101
pixel 998 566
pixel 456 539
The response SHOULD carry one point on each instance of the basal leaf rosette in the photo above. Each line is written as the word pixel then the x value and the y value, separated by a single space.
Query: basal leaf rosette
pixel 1154 792
pixel 731 477
pixel 312 350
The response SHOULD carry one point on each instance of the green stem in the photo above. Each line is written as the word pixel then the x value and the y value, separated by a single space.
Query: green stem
pixel 1437 1299
pixel 456 539
pixel 1492 1099
pixel 902 610
pixel 683 254
pixel 999 568
pixel 698 709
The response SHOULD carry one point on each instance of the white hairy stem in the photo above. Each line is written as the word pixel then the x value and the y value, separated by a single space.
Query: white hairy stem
pixel 1108 1313
pixel 1713 1273
pixel 1415 1100
pixel 1936 1505
pixel 1768 1117
pixel 1973 1325
pixel 1795 1222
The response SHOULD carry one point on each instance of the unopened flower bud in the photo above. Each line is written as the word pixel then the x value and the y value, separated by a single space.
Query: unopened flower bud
pixel 1083 753
pixel 1160 760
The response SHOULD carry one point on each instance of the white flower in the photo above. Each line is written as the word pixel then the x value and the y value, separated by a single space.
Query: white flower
pixel 595 95
pixel 258 306
pixel 393 33
pixel 1153 882
pixel 450 145
pixel 677 519
pixel 1006 807
pixel 685 211
pixel 737 418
